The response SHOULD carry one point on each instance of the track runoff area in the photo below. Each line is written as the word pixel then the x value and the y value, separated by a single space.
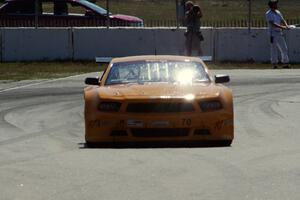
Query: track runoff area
pixel 43 156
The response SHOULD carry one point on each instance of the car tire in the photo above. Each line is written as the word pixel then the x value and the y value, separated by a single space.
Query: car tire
pixel 225 143
pixel 89 145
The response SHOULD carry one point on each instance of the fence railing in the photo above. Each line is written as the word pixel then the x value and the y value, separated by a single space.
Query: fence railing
pixel 29 21
pixel 60 22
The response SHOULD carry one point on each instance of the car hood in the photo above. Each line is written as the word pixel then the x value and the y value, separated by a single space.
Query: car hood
pixel 127 18
pixel 159 91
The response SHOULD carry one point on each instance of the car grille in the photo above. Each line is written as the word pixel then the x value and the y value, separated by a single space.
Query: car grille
pixel 160 132
pixel 160 107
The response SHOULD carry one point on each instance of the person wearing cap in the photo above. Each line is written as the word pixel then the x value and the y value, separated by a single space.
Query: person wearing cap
pixel 277 24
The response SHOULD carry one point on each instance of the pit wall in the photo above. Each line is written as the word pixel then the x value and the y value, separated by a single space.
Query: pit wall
pixel 224 44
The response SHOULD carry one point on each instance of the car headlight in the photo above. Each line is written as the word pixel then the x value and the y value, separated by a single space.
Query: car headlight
pixel 207 106
pixel 109 106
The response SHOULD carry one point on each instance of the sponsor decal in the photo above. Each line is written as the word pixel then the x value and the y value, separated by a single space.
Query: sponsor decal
pixel 135 123
pixel 221 124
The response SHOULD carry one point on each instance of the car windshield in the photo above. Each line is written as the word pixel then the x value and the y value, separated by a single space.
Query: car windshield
pixel 94 7
pixel 157 71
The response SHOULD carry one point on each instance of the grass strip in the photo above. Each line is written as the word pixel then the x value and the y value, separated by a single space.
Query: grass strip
pixel 45 70
pixel 48 70
pixel 213 10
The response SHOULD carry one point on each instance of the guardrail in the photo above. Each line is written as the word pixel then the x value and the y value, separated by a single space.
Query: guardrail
pixel 58 21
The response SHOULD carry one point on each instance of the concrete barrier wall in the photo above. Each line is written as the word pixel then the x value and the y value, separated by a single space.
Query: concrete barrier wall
pixel 233 44
pixel 91 42
pixel 172 41
pixel 1 43
pixel 293 42
pixel 28 44
pixel 224 44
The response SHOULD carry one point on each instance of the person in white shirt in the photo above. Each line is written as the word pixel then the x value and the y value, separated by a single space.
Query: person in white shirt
pixel 276 25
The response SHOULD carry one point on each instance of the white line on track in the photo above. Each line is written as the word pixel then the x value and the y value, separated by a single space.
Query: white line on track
pixel 39 83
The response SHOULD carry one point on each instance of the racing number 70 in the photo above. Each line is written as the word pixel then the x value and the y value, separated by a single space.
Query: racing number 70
pixel 186 122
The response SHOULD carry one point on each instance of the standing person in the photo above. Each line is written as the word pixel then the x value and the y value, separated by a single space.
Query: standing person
pixel 189 25
pixel 276 26
pixel 188 8
pixel 193 34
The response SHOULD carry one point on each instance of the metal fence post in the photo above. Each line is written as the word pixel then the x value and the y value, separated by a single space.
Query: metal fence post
pixel 36 17
pixel 107 14
pixel 177 14
pixel 249 15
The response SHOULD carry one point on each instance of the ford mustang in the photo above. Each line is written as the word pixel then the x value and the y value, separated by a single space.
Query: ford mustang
pixel 158 99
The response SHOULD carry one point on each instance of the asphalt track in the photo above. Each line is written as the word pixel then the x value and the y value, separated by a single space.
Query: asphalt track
pixel 42 155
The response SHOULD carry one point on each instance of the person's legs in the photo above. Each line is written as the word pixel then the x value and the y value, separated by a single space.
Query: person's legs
pixel 188 44
pixel 196 44
pixel 281 45
pixel 200 52
pixel 274 52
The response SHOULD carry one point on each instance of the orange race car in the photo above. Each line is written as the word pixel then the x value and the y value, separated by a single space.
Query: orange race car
pixel 158 99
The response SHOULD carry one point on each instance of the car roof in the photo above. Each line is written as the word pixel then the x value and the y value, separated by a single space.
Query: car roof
pixel 155 58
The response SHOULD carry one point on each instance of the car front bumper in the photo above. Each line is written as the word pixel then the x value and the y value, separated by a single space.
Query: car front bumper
pixel 112 127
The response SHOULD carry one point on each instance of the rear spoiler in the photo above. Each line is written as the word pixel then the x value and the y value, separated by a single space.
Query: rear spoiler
pixel 108 59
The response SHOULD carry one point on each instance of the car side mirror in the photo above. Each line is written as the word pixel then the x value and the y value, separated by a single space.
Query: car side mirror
pixel 222 78
pixel 92 81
